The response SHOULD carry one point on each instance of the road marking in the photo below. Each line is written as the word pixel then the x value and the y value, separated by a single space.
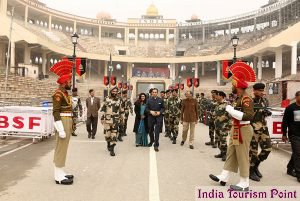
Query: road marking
pixel 153 178
pixel 89 141
pixel 17 149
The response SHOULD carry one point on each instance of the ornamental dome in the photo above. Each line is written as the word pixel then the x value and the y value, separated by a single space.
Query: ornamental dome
pixel 103 16
pixel 152 10
pixel 194 17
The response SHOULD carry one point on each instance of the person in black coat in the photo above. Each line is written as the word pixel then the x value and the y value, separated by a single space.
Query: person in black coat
pixel 138 105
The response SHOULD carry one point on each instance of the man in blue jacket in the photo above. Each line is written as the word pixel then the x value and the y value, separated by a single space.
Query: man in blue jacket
pixel 155 109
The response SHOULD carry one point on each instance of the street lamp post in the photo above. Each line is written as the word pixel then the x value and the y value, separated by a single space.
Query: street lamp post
pixel 122 82
pixel 234 42
pixel 74 41
pixel 179 77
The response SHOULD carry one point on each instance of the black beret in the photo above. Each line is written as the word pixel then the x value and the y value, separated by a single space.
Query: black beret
pixel 259 86
pixel 213 91
pixel 163 92
pixel 167 91
pixel 74 90
pixel 221 93
pixel 124 92
pixel 176 90
pixel 114 89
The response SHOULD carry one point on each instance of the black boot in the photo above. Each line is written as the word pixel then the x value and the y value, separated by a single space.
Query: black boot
pixel 111 150
pixel 291 172
pixel 209 143
pixel 224 156
pixel 218 155
pixel 256 170
pixel 120 137
pixel 108 145
pixel 174 140
pixel 252 175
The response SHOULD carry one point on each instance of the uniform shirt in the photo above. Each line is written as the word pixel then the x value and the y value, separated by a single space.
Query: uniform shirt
pixel 111 110
pixel 62 103
pixel 260 106
pixel 244 104
pixel 155 104
pixel 291 120
pixel 174 106
pixel 222 118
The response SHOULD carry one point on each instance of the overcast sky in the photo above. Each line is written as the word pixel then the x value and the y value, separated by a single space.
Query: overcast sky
pixel 170 9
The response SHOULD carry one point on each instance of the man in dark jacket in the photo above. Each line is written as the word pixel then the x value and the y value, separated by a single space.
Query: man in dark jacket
pixel 291 121
pixel 155 109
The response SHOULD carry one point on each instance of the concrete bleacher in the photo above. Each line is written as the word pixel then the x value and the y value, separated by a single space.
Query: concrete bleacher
pixel 25 90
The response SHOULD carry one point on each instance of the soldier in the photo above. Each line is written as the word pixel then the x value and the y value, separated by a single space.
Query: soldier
pixel 261 134
pixel 198 98
pixel 167 113
pixel 241 133
pixel 62 113
pixel 126 103
pixel 211 124
pixel 222 124
pixel 110 118
pixel 121 125
pixel 76 105
pixel 174 107
pixel 202 109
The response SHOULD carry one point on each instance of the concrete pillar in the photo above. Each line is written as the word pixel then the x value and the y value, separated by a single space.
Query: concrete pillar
pixel 278 63
pixel 26 54
pixel 259 67
pixel 172 71
pixel 2 55
pixel 105 68
pixel 48 64
pixel 255 25
pixel 99 34
pixel 44 61
pixel 99 67
pixel 129 71
pixel 196 70
pixel 294 58
pixel 126 34
pixel 50 23
pixel 203 34
pixel 13 54
pixel 3 7
pixel 175 36
pixel 203 69
pixel 218 72
pixel 26 16
pixel 229 30
pixel 167 36
pixel 136 36
pixel 75 26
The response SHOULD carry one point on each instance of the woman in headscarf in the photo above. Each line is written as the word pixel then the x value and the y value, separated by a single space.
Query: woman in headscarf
pixel 141 123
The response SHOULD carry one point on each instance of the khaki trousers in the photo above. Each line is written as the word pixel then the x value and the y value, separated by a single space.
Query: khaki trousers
pixel 62 144
pixel 238 155
pixel 186 127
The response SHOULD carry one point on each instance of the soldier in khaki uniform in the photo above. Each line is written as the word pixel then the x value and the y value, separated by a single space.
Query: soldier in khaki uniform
pixel 110 118
pixel 261 133
pixel 241 133
pixel 63 123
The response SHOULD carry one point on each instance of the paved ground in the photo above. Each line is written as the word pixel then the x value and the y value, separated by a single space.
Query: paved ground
pixel 135 174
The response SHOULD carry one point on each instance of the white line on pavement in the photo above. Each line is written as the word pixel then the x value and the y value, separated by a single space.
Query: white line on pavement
pixel 153 178
pixel 17 149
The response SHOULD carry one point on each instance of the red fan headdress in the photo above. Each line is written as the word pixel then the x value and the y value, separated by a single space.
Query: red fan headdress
pixel 242 73
pixel 63 69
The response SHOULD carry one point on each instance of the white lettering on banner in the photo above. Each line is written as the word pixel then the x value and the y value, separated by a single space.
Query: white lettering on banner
pixel 274 124
pixel 22 122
